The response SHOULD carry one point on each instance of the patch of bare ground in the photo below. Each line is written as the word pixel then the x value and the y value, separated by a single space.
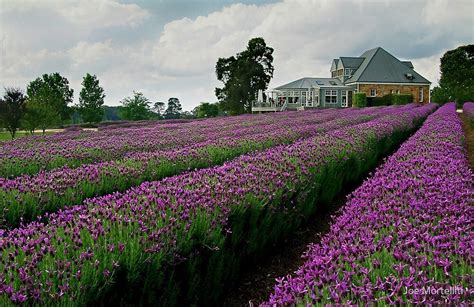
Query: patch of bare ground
pixel 469 133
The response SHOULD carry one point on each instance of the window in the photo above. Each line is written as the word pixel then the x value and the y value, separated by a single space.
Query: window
pixel 373 92
pixel 392 91
pixel 420 93
pixel 398 92
pixel 330 97
pixel 344 99
pixel 316 97
pixel 348 72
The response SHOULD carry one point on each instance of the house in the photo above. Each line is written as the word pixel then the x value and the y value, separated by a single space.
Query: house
pixel 376 73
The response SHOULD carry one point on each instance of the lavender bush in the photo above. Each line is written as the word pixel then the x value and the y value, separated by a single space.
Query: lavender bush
pixel 26 197
pixel 33 154
pixel 183 237
pixel 404 237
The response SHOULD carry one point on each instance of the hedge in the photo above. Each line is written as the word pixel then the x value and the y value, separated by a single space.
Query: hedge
pixel 402 99
pixel 360 100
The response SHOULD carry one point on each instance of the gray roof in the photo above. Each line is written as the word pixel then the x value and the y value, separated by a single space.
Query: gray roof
pixel 380 66
pixel 409 64
pixel 312 82
pixel 351 62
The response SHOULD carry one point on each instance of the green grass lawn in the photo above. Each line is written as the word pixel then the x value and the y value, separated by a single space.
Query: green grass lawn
pixel 5 135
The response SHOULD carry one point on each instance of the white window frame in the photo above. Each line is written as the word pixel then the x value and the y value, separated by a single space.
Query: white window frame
pixel 420 93
pixel 331 94
pixel 344 94
pixel 310 100
pixel 375 92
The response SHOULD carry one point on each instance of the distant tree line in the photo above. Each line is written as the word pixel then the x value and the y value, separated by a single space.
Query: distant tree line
pixel 47 103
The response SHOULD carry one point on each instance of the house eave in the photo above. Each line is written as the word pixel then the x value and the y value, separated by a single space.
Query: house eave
pixel 389 83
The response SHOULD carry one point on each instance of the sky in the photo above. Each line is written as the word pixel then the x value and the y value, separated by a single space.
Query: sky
pixel 170 48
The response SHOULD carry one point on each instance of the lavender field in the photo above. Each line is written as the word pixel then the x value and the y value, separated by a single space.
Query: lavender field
pixel 170 213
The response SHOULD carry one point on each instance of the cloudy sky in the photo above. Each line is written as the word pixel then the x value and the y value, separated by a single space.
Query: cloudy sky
pixel 169 48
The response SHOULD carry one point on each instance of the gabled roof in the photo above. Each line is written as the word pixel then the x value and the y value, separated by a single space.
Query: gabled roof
pixel 380 66
pixel 312 82
pixel 351 62
pixel 334 64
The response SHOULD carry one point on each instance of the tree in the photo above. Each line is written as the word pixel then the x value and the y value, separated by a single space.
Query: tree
pixel 39 114
pixel 91 99
pixel 159 108
pixel 187 115
pixel 29 121
pixel 174 109
pixel 457 76
pixel 60 95
pixel 206 109
pixel 440 95
pixel 243 75
pixel 43 104
pixel 136 107
pixel 12 109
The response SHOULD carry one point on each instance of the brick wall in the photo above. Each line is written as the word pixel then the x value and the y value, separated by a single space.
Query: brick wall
pixel 384 89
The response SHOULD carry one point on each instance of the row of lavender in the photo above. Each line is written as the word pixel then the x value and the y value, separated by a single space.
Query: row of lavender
pixel 26 197
pixel 75 148
pixel 187 232
pixel 404 236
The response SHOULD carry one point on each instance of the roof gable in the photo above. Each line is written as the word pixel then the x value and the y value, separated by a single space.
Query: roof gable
pixel 351 62
pixel 381 66
pixel 334 64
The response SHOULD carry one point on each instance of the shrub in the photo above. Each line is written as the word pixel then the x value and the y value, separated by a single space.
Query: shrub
pixel 400 99
pixel 385 100
pixel 360 100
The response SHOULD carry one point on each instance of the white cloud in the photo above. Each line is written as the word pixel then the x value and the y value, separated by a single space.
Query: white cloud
pixel 190 47
pixel 89 13
pixel 179 59
pixel 104 13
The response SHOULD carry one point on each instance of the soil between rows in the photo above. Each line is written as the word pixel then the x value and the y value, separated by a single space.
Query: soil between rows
pixel 469 143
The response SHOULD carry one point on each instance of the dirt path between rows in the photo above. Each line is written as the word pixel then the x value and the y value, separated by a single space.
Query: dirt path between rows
pixel 469 132
pixel 257 283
